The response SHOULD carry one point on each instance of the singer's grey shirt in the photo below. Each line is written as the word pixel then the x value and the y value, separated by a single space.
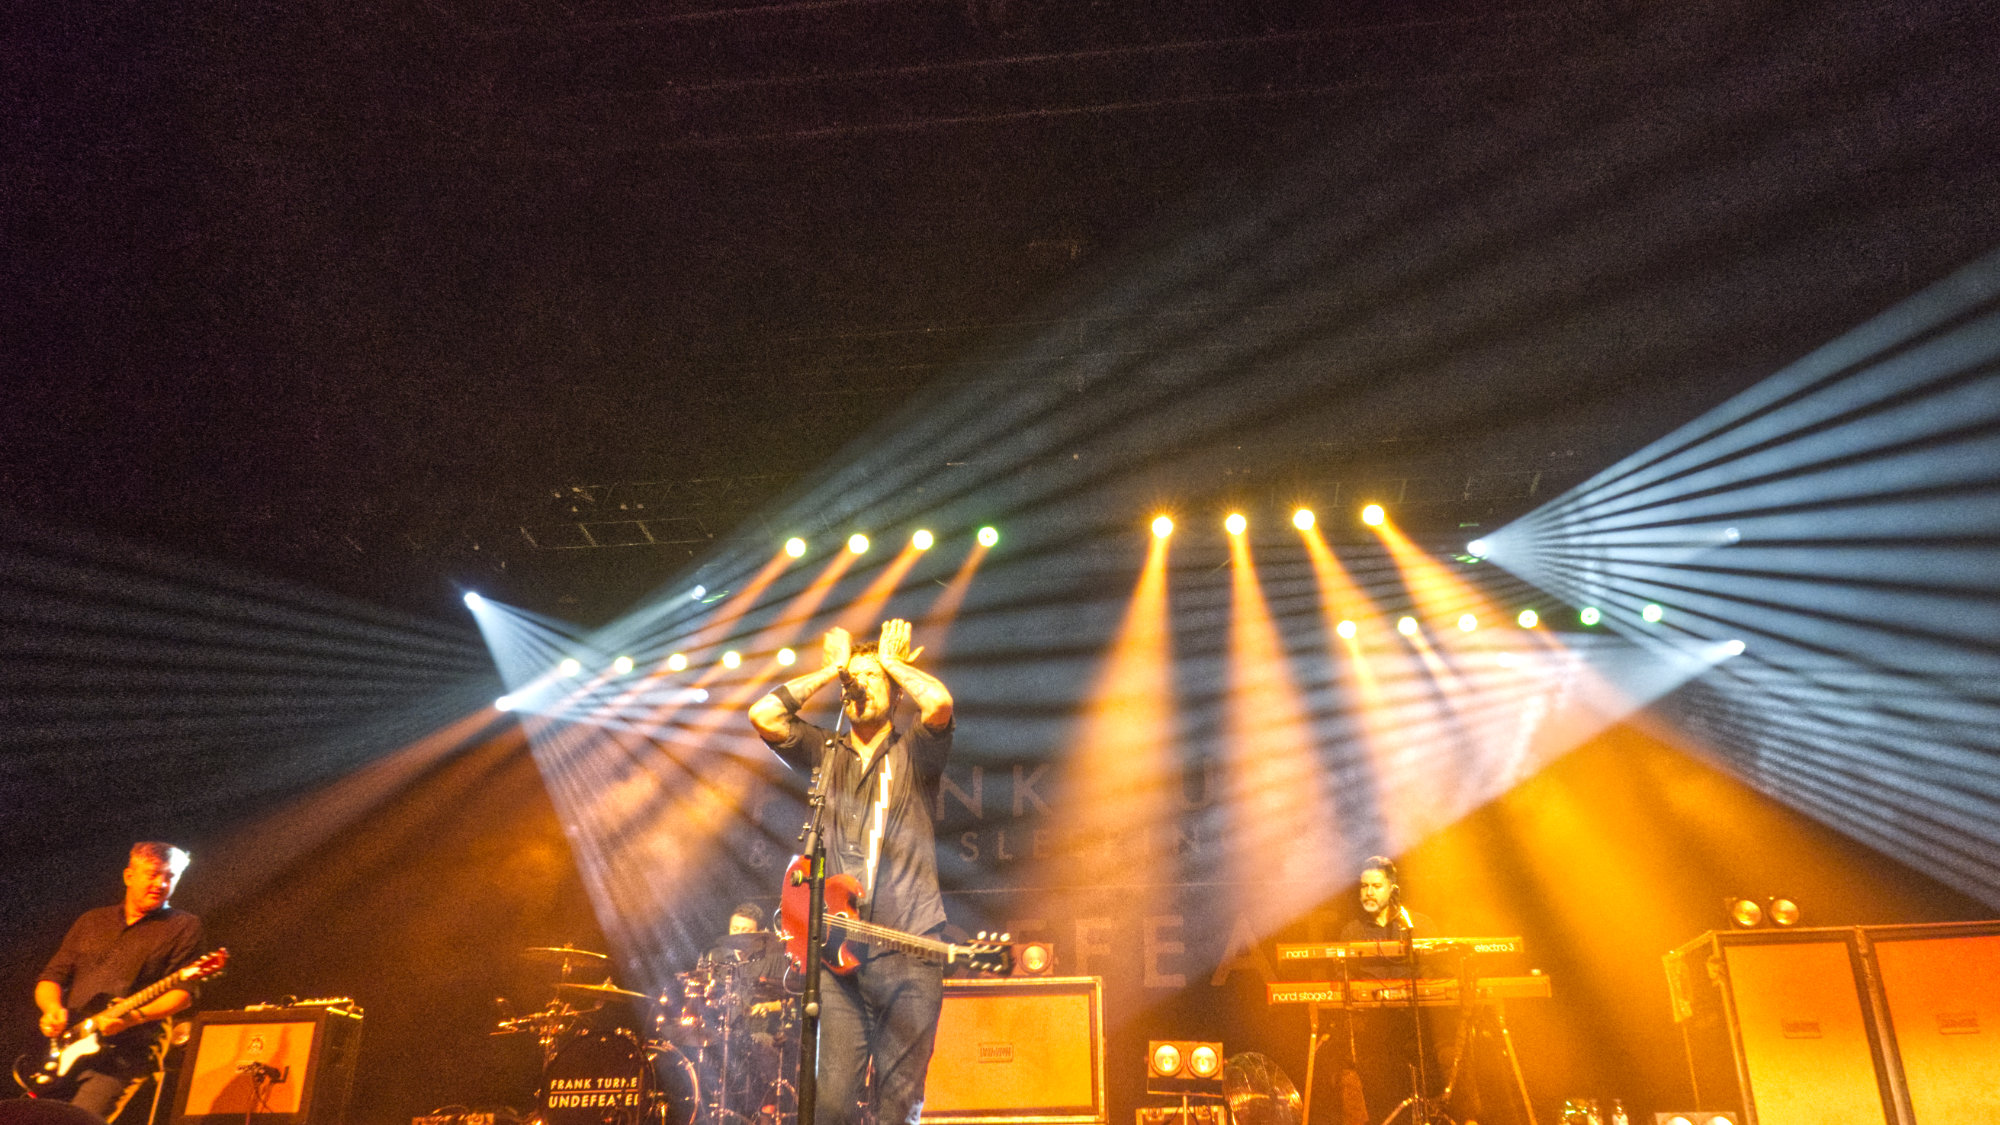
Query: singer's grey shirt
pixel 879 819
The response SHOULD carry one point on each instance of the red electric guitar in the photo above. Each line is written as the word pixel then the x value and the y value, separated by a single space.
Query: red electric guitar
pixel 844 926
pixel 49 1078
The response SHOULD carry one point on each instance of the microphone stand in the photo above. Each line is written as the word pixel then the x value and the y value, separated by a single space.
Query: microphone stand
pixel 1421 1107
pixel 813 838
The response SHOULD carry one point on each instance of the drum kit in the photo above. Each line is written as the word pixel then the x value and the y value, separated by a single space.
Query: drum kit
pixel 719 1048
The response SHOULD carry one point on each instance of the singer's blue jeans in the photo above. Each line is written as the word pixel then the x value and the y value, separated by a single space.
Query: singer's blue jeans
pixel 888 1009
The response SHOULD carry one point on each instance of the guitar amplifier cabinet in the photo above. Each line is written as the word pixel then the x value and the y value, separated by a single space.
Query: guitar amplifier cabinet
pixel 1877 1025
pixel 269 1066
pixel 1027 1051
pixel 1943 995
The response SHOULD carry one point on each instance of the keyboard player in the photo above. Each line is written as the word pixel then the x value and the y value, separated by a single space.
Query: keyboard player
pixel 1386 1042
pixel 1383 916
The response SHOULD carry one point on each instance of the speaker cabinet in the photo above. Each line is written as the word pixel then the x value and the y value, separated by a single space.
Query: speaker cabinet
pixel 1862 1026
pixel 1803 1034
pixel 271 1066
pixel 1943 996
pixel 1028 1051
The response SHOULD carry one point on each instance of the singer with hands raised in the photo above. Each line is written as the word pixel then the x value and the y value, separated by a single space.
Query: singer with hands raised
pixel 882 763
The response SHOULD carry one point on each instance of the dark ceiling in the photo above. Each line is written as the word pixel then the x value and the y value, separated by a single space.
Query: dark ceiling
pixel 356 292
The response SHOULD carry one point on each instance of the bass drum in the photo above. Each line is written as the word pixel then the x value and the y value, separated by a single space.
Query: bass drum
pixel 678 1082
pixel 597 1078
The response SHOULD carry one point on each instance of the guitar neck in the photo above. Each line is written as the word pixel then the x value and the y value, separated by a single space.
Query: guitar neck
pixel 871 934
pixel 119 1008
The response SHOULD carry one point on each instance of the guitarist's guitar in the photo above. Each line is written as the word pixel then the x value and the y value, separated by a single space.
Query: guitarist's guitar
pixel 844 926
pixel 49 1077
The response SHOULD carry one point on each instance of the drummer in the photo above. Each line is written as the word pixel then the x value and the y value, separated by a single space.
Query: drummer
pixel 759 952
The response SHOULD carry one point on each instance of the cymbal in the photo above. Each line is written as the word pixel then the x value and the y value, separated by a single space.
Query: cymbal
pixel 605 989
pixel 560 953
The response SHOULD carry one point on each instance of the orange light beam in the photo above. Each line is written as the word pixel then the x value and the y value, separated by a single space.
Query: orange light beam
pixel 938 618
pixel 714 629
pixel 1118 780
pixel 865 610
pixel 806 605
pixel 254 856
pixel 1342 599
pixel 773 637
pixel 1282 825
pixel 862 610
pixel 718 625
pixel 1441 596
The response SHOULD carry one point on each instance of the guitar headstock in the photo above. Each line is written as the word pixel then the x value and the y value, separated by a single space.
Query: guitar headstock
pixel 205 966
pixel 987 953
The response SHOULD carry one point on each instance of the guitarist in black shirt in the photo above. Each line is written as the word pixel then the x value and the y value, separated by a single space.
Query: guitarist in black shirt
pixel 109 953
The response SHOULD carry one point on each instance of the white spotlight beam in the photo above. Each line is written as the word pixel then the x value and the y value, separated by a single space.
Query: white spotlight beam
pixel 1841 518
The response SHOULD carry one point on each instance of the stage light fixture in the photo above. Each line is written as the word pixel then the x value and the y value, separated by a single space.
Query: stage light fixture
pixel 795 547
pixel 857 543
pixel 1162 527
pixel 1652 613
pixel 1528 619
pixel 922 540
pixel 1303 519
pixel 1235 523
pixel 1183 1066
pixel 1697 1117
pixel 621 665
pixel 1407 626
pixel 1467 622
pixel 988 536
pixel 1589 615
pixel 1744 914
pixel 569 667
pixel 678 662
pixel 1478 548
pixel 1731 535
pixel 698 593
pixel 700 695
pixel 732 659
pixel 1034 959
pixel 787 657
pixel 1373 515
pixel 1346 630
pixel 1783 912
pixel 473 600
pixel 504 703
pixel 1735 647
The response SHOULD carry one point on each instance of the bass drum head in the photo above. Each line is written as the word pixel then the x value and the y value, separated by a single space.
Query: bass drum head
pixel 597 1078
pixel 679 1086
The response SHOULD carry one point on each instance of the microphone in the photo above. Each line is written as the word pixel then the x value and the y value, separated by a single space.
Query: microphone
pixel 1403 912
pixel 262 1074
